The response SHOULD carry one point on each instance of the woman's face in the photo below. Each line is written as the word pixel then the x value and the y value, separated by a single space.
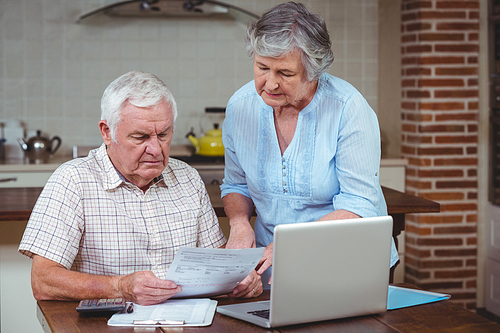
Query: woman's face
pixel 282 82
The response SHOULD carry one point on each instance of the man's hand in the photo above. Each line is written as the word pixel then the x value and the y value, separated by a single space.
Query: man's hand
pixel 251 286
pixel 266 261
pixel 145 288
pixel 241 236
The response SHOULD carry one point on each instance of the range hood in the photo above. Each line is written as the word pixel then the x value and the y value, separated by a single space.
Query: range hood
pixel 172 8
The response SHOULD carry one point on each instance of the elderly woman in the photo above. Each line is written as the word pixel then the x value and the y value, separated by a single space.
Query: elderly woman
pixel 301 145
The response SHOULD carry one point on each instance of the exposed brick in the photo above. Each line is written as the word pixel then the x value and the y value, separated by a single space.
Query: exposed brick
pixel 457 4
pixel 437 60
pixel 409 83
pixel 471 218
pixel 441 106
pixel 417 273
pixel 418 117
pixel 473 37
pixel 408 17
pixel 418 26
pixel 471 241
pixel 418 139
pixel 417 5
pixel 441 151
pixel 440 263
pixel 455 252
pixel 456 184
pixel 474 15
pixel 455 161
pixel 441 285
pixel 441 83
pixel 472 83
pixel 416 71
pixel 464 273
pixel 417 252
pixel 461 71
pixel 457 26
pixel 457 295
pixel 456 93
pixel 418 94
pixel 440 173
pixel 408 38
pixel 471 284
pixel 440 37
pixel 419 161
pixel 472 172
pixel 409 105
pixel 456 139
pixel 421 48
pixel 439 242
pixel 410 128
pixel 441 15
pixel 471 150
pixel 465 47
pixel 411 172
pixel 456 116
pixel 473 106
pixel 419 184
pixel 441 128
pixel 418 231
pixel 407 150
pixel 472 60
pixel 452 230
pixel 409 60
pixel 437 219
pixel 472 195
pixel 472 128
pixel 443 196
pixel 458 207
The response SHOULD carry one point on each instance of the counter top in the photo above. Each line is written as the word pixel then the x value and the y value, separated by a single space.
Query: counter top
pixel 17 203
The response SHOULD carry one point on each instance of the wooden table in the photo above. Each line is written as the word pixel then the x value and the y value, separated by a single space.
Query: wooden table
pixel 443 316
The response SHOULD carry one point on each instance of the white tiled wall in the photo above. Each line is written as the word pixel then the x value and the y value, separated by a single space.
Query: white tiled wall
pixel 53 70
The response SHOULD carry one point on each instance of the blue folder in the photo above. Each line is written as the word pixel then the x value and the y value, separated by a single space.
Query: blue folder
pixel 404 297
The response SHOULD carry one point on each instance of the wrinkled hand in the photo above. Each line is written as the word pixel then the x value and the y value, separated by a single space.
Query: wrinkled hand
pixel 241 236
pixel 266 261
pixel 251 286
pixel 145 288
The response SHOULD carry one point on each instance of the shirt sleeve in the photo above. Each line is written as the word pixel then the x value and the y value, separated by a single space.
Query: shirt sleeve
pixel 234 177
pixel 357 160
pixel 209 232
pixel 55 227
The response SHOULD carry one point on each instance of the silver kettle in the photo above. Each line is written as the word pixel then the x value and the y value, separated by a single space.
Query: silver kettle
pixel 39 149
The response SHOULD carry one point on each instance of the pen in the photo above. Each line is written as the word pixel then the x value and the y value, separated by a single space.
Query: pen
pixel 130 308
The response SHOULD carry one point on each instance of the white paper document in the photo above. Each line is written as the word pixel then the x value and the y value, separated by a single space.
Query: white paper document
pixel 208 272
pixel 193 312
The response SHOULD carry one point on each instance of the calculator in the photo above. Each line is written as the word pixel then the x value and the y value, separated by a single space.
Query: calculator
pixel 102 305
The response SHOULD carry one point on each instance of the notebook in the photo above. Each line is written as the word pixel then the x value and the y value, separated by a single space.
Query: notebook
pixel 324 270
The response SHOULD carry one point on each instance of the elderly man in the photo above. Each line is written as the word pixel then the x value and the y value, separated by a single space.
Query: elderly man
pixel 109 225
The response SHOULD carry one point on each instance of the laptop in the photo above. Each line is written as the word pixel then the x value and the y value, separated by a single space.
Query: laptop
pixel 324 270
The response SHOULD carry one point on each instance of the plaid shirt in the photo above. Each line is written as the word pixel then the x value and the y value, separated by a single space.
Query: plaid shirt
pixel 89 219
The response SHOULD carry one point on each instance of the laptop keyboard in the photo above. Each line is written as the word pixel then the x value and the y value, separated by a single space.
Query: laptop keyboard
pixel 260 313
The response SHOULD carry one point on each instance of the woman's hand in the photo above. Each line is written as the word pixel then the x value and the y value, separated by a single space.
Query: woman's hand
pixel 266 261
pixel 251 286
pixel 241 236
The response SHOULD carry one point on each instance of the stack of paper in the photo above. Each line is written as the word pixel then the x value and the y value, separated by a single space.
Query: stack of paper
pixel 186 312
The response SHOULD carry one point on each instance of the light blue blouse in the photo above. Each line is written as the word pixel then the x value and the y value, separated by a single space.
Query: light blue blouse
pixel 332 162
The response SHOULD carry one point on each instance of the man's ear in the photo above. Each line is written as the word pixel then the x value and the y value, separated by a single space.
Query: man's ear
pixel 105 132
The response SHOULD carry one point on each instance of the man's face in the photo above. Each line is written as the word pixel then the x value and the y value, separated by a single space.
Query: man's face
pixel 142 145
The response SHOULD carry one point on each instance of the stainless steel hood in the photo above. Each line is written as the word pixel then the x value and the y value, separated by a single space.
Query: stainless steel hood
pixel 172 8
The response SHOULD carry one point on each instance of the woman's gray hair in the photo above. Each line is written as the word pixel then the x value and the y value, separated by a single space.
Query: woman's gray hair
pixel 140 89
pixel 289 26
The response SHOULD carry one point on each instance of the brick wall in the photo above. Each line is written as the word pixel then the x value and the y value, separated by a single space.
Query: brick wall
pixel 439 45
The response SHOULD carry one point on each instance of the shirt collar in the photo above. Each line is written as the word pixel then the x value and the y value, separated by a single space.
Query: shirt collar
pixel 112 178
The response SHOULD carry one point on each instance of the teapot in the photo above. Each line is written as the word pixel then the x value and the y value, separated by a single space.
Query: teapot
pixel 39 149
pixel 210 144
